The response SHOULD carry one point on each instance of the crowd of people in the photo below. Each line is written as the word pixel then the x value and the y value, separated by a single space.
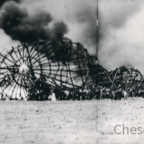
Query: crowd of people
pixel 120 92
pixel 86 93
pixel 96 93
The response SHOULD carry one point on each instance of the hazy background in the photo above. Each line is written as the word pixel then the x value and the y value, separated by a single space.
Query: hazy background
pixel 121 33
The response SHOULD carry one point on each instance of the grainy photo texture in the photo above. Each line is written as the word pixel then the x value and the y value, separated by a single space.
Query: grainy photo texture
pixel 71 71
pixel 49 72
pixel 121 54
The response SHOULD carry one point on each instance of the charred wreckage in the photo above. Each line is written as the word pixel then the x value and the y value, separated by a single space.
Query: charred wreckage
pixel 33 71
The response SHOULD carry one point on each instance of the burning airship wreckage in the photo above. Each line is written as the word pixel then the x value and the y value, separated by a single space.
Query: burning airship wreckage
pixel 34 69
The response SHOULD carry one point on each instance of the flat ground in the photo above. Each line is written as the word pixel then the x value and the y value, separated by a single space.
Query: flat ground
pixel 72 122
pixel 60 122
pixel 122 115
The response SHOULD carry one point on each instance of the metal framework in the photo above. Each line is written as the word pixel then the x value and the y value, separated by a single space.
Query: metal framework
pixel 58 63
pixel 35 68
pixel 128 78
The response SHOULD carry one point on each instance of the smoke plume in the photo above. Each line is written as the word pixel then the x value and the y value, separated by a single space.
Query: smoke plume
pixel 84 17
pixel 4 1
pixel 79 15
pixel 87 17
pixel 20 25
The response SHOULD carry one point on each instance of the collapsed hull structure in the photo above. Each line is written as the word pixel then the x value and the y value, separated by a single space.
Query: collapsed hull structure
pixel 128 77
pixel 40 66
pixel 59 63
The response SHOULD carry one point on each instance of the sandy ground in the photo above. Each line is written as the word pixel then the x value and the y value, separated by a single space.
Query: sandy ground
pixel 72 122
pixel 59 122
pixel 122 115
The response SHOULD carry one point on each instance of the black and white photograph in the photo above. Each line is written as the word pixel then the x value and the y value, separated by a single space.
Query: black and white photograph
pixel 121 54
pixel 48 67
pixel 71 71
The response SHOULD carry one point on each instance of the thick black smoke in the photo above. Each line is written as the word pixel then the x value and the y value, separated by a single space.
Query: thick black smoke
pixel 19 25
pixel 3 1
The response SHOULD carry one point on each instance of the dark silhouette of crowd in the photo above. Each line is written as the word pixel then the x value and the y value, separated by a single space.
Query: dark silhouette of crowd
pixel 43 92
pixel 86 93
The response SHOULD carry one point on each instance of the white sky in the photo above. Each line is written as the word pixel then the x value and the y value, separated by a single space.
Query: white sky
pixel 122 37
